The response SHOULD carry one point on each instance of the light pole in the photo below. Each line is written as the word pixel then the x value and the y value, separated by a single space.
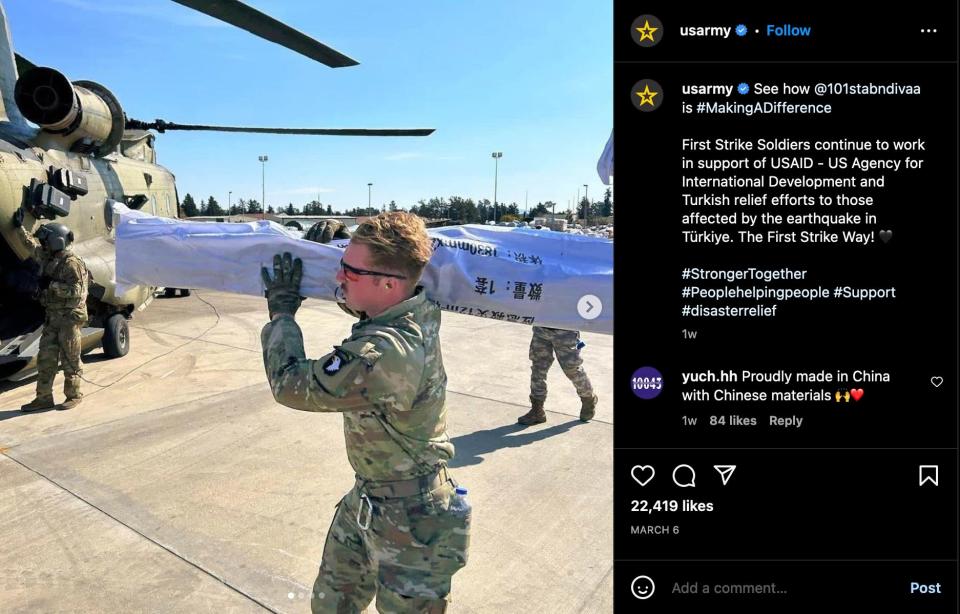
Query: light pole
pixel 369 191
pixel 496 163
pixel 229 200
pixel 586 212
pixel 263 181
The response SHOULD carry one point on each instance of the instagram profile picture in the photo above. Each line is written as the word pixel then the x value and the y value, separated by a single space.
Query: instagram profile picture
pixel 646 383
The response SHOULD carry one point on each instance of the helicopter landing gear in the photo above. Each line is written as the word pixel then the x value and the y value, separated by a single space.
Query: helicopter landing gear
pixel 116 336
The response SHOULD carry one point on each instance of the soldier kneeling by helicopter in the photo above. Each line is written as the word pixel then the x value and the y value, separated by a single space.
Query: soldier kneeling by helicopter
pixel 63 295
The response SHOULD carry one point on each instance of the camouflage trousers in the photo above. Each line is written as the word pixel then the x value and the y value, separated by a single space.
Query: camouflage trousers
pixel 549 341
pixel 59 344
pixel 406 555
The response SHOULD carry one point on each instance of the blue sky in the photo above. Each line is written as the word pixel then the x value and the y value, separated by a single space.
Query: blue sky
pixel 530 78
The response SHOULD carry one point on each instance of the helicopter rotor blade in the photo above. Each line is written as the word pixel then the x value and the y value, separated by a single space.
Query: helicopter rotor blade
pixel 250 19
pixel 162 126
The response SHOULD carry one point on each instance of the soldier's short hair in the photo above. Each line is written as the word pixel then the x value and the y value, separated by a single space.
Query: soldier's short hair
pixel 397 240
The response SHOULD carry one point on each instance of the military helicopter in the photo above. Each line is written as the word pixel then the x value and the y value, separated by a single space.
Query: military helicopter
pixel 68 152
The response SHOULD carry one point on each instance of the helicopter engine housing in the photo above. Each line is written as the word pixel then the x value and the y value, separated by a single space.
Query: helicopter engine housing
pixel 82 117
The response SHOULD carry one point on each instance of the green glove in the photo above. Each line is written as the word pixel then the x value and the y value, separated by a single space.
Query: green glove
pixel 326 231
pixel 283 291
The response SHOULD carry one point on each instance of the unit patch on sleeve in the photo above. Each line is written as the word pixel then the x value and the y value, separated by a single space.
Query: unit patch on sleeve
pixel 333 364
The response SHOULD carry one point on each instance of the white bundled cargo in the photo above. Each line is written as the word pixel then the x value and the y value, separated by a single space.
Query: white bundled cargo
pixel 511 274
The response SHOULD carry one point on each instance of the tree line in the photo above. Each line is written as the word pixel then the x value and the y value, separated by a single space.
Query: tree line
pixel 456 208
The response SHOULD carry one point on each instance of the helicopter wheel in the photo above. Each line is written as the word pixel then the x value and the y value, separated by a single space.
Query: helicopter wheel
pixel 116 336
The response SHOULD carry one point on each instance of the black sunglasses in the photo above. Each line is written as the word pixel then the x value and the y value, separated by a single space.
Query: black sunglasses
pixel 352 270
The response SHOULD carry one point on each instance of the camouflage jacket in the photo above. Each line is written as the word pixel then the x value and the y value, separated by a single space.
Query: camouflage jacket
pixel 65 298
pixel 387 379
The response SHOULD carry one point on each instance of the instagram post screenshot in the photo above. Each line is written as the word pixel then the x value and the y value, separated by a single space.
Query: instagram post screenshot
pixel 308 307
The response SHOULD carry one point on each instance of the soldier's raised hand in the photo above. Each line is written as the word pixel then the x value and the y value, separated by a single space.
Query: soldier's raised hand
pixel 283 290
pixel 325 231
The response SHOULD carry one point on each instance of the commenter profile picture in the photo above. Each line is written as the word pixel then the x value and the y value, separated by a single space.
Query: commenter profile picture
pixel 646 383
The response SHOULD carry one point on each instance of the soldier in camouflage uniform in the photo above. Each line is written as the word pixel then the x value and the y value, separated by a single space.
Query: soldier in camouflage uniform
pixel 393 534
pixel 63 295
pixel 566 345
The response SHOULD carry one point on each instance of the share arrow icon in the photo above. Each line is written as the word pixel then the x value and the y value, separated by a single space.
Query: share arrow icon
pixel 725 471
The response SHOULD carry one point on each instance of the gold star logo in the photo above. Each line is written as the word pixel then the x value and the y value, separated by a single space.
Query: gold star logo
pixel 646 96
pixel 646 32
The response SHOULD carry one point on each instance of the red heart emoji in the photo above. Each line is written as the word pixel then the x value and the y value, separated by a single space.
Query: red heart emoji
pixel 856 393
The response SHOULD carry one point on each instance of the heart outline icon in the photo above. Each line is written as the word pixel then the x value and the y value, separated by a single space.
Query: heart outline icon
pixel 856 393
pixel 937 381
pixel 633 474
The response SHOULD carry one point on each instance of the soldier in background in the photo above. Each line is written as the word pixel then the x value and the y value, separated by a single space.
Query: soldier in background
pixel 566 345
pixel 400 532
pixel 63 295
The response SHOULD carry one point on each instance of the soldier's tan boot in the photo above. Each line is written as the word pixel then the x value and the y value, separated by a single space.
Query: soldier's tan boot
pixel 71 390
pixel 38 404
pixel 536 415
pixel 71 403
pixel 588 408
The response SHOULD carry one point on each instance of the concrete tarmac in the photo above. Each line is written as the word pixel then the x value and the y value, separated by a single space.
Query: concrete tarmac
pixel 179 485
